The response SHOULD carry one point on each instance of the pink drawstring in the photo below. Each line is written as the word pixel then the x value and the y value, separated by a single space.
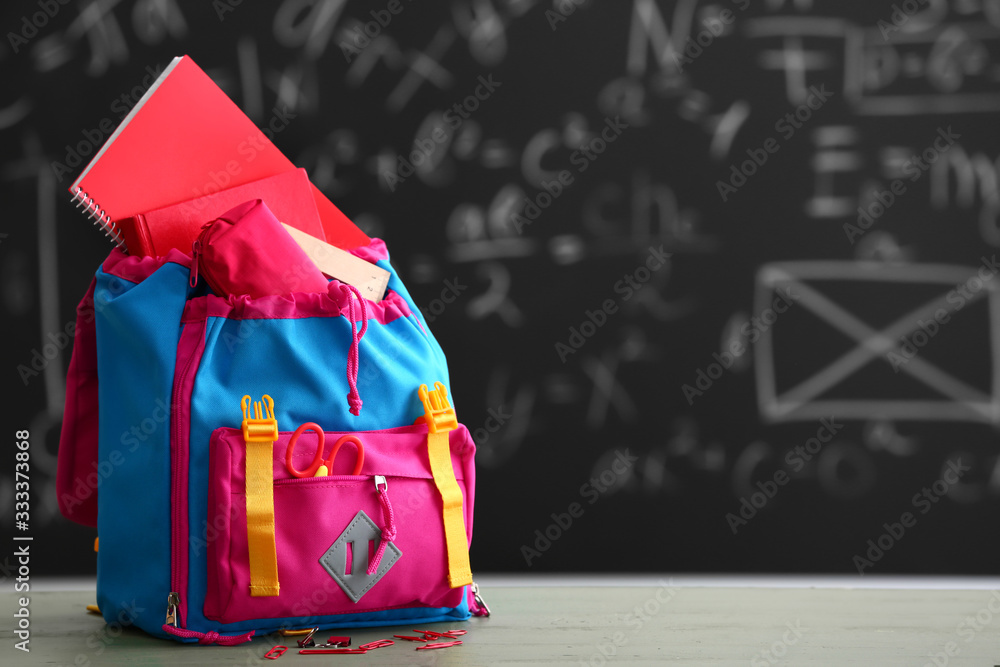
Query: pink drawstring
pixel 353 398
pixel 388 531
pixel 210 637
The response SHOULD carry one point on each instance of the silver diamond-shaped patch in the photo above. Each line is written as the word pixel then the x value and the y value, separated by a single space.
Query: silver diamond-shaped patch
pixel 361 532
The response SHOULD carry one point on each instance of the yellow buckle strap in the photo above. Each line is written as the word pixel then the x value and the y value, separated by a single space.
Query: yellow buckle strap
pixel 259 433
pixel 440 419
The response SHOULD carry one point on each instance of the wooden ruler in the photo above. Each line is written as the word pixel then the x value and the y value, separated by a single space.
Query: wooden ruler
pixel 371 280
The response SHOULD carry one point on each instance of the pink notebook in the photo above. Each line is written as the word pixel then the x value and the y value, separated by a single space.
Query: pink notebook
pixel 183 140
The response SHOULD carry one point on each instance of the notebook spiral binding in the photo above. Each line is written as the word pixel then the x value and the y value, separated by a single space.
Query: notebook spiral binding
pixel 100 218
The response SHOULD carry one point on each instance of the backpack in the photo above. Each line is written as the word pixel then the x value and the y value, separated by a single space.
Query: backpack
pixel 194 426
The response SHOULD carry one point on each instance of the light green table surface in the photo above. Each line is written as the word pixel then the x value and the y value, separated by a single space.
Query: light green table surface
pixel 594 622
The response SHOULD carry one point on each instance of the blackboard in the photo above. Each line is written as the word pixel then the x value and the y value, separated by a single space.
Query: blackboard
pixel 715 279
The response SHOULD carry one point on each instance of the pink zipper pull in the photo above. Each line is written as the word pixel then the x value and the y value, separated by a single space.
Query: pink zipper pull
pixel 389 531
pixel 195 249
pixel 478 606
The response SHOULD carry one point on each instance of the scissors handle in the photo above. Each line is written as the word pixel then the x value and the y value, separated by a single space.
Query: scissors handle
pixel 317 459
pixel 359 460
pixel 318 467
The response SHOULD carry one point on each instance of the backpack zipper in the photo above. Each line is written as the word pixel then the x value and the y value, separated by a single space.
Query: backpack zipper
pixel 173 602
pixel 178 477
pixel 483 609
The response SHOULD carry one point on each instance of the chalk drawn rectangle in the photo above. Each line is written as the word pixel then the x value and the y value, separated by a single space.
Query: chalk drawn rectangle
pixel 908 52
pixel 803 402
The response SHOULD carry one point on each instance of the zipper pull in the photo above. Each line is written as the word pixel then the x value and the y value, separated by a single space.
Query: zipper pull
pixel 173 601
pixel 389 528
pixel 484 610
pixel 195 250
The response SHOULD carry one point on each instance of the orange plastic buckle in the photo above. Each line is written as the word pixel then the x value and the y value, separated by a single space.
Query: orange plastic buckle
pixel 438 413
pixel 297 633
pixel 262 427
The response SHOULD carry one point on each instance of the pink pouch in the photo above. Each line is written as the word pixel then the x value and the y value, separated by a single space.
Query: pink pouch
pixel 311 513
pixel 247 251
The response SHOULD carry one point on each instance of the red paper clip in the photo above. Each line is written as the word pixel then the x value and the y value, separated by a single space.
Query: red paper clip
pixel 457 642
pixel 412 639
pixel 378 643
pixel 429 633
pixel 450 634
pixel 311 651
pixel 275 653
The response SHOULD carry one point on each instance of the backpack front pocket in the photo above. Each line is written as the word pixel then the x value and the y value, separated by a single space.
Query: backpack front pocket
pixel 329 530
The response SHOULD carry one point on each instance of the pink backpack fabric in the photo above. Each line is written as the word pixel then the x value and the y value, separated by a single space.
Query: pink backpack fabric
pixel 78 474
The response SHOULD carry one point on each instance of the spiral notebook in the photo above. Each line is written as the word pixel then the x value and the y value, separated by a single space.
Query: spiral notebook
pixel 287 195
pixel 183 140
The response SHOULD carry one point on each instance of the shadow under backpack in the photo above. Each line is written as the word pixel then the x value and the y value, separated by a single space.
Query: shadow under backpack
pixel 204 535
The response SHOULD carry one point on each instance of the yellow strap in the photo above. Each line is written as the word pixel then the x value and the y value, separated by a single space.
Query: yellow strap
pixel 439 452
pixel 260 520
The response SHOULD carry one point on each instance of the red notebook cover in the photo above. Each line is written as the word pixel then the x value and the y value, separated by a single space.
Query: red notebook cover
pixel 287 195
pixel 183 140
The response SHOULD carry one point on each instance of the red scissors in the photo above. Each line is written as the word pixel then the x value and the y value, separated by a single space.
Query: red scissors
pixel 319 467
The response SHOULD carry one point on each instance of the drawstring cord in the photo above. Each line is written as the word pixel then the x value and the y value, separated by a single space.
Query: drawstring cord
pixel 389 530
pixel 210 637
pixel 353 398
